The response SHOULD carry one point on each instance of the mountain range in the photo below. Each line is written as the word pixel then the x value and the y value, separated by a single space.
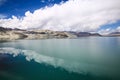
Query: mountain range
pixel 14 34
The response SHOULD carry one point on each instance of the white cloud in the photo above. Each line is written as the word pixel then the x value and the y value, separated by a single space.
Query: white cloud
pixel 109 30
pixel 2 2
pixel 42 1
pixel 106 31
pixel 2 16
pixel 76 15
pixel 118 29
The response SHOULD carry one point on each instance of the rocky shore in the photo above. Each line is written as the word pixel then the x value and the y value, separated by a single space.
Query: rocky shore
pixel 15 34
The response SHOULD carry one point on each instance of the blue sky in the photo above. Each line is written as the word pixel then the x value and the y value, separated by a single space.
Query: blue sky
pixel 112 26
pixel 62 15
pixel 19 7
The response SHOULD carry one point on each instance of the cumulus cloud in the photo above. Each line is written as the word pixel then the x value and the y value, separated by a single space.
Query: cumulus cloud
pixel 2 16
pixel 118 29
pixel 73 15
pixel 109 30
pixel 42 1
pixel 106 31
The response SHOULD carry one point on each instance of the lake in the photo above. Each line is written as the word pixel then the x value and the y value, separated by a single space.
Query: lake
pixel 85 58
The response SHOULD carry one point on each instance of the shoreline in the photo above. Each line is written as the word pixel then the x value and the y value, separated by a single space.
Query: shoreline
pixel 17 34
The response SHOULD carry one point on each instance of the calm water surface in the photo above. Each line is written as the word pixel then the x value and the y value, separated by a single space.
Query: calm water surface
pixel 86 58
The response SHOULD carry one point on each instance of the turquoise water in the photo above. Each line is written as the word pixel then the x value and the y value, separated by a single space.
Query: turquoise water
pixel 86 58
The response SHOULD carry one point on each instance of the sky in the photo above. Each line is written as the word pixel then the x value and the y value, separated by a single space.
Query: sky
pixel 101 16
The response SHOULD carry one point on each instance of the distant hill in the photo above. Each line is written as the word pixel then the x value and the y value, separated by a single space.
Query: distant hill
pixel 13 34
pixel 5 29
pixel 9 29
pixel 114 34
pixel 95 34
pixel 84 34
